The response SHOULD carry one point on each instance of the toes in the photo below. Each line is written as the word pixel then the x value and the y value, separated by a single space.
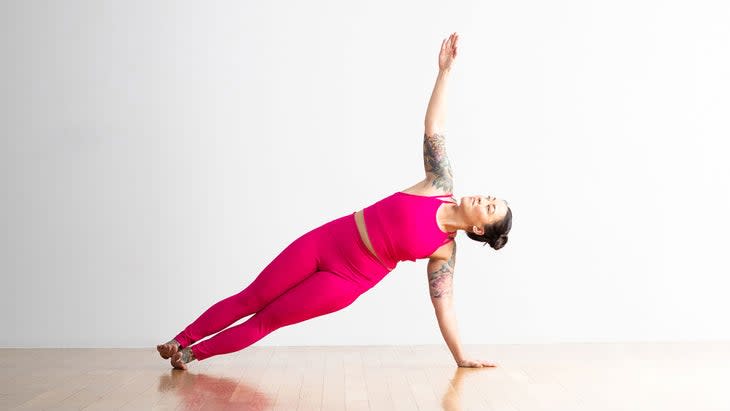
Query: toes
pixel 166 350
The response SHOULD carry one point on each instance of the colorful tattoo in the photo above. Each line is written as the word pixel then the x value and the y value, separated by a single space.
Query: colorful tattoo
pixel 440 279
pixel 437 163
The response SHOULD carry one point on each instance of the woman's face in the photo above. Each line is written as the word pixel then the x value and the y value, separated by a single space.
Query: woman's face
pixel 483 210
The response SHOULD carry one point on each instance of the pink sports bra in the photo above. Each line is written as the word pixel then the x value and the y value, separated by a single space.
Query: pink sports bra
pixel 403 227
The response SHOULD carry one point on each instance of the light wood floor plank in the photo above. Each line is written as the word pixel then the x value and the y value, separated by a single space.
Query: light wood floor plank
pixel 565 377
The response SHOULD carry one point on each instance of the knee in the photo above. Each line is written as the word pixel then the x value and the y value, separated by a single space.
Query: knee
pixel 266 322
pixel 247 303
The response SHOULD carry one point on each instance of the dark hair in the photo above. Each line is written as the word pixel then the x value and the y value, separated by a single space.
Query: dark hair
pixel 495 234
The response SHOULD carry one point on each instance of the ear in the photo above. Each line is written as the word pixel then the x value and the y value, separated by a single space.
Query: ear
pixel 477 230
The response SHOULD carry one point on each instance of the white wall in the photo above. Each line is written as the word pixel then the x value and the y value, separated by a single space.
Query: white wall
pixel 156 156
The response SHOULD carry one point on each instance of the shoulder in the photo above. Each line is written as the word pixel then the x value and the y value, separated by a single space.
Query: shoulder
pixel 426 187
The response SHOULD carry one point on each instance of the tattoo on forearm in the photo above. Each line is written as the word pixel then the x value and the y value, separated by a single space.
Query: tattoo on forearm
pixel 440 280
pixel 436 161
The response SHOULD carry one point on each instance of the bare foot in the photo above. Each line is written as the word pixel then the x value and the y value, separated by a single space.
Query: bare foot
pixel 180 358
pixel 169 348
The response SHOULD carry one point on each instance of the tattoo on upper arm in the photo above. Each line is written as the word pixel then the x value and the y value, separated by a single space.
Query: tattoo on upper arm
pixel 436 161
pixel 440 277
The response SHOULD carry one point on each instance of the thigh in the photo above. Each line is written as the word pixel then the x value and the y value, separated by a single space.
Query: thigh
pixel 322 293
pixel 291 266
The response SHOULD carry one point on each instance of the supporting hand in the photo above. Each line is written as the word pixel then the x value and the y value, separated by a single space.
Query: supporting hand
pixel 475 363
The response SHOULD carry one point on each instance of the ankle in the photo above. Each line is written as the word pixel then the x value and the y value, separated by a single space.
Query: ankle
pixel 187 355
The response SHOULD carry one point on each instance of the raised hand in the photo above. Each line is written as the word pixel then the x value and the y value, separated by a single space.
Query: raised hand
pixel 448 52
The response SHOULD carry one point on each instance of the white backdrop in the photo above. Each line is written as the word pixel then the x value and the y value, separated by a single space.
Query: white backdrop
pixel 157 155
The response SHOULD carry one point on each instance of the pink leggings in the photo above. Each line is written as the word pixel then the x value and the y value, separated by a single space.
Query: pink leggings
pixel 321 272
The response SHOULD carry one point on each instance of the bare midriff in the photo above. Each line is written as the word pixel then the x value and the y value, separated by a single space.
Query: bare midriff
pixel 360 221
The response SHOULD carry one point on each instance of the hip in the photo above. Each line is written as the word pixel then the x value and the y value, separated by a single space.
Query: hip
pixel 349 251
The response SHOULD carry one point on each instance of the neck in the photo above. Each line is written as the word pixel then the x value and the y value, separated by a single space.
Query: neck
pixel 453 220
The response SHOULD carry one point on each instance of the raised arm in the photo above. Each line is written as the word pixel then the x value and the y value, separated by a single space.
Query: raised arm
pixel 435 160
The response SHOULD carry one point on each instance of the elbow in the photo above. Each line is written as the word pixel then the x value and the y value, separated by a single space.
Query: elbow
pixel 432 128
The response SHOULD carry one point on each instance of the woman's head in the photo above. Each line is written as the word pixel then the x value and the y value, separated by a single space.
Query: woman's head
pixel 490 219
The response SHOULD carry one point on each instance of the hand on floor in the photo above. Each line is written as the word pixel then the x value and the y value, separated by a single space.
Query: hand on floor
pixel 475 363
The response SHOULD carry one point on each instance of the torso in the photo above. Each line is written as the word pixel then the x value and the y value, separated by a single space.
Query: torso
pixel 421 189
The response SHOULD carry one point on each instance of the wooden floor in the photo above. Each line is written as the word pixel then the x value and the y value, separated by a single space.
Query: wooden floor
pixel 554 377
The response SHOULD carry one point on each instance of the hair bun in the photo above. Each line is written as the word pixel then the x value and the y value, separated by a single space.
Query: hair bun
pixel 500 242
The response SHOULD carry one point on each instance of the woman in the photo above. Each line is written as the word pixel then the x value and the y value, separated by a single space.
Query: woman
pixel 329 267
